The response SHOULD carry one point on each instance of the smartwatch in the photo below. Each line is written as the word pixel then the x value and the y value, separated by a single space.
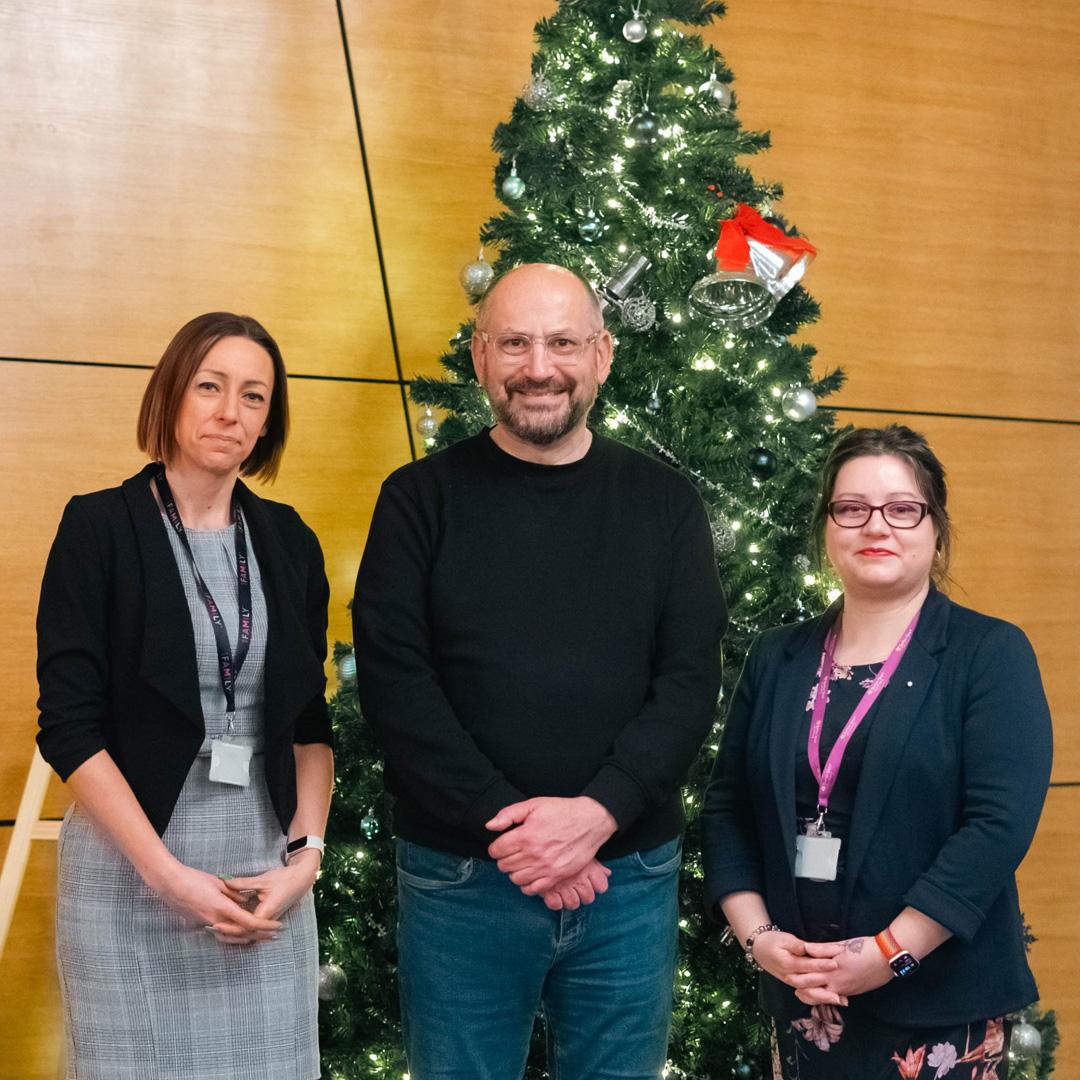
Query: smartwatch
pixel 303 842
pixel 900 960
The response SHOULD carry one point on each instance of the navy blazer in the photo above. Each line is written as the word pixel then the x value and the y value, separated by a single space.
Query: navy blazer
pixel 953 780
pixel 116 648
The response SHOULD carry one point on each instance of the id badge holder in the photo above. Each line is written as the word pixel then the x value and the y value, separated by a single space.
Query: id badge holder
pixel 230 761
pixel 817 853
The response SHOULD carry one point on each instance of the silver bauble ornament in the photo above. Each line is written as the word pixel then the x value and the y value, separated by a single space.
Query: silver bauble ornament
pixel 428 424
pixel 802 564
pixel 332 980
pixel 477 276
pixel 369 826
pixel 591 228
pixel 1026 1041
pixel 513 187
pixel 635 30
pixel 538 94
pixel 638 314
pixel 718 91
pixel 654 404
pixel 723 536
pixel 645 127
pixel 347 668
pixel 799 404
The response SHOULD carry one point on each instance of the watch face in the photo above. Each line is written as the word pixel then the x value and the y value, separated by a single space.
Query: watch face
pixel 904 964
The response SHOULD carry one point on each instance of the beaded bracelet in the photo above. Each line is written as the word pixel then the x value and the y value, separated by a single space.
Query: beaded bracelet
pixel 748 948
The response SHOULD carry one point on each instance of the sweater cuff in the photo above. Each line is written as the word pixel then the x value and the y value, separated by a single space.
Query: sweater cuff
pixel 499 793
pixel 618 793
pixel 953 912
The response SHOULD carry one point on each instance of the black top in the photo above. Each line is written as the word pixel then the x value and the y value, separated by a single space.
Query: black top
pixel 953 778
pixel 116 650
pixel 820 901
pixel 525 629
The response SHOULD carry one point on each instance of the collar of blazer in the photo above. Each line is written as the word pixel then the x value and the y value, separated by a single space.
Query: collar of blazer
pixel 293 673
pixel 901 701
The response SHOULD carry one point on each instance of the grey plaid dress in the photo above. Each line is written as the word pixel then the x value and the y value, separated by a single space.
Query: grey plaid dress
pixel 148 996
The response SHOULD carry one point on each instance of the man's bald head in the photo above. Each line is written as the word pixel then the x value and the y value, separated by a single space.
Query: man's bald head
pixel 540 276
pixel 541 397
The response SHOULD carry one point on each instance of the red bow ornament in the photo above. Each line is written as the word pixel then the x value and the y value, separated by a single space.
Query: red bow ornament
pixel 756 265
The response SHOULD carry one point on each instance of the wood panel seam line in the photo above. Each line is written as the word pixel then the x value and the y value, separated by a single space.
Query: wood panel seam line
pixel 375 225
pixel 955 415
pixel 150 367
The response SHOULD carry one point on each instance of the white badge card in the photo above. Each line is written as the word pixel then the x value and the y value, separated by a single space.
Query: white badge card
pixel 816 857
pixel 230 762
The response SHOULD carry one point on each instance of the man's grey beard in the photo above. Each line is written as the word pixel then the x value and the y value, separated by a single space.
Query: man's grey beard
pixel 541 431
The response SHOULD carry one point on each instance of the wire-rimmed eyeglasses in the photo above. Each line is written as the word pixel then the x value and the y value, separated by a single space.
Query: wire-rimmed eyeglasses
pixel 567 348
pixel 900 514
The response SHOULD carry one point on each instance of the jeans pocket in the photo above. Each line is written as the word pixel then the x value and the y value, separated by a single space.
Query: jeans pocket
pixel 662 859
pixel 425 868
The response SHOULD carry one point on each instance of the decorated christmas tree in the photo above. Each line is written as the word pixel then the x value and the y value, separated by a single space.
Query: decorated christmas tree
pixel 624 159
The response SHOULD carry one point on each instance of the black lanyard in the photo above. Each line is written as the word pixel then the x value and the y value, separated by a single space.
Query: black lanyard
pixel 230 665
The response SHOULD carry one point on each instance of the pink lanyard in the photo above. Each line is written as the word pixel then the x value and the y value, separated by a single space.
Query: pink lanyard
pixel 827 779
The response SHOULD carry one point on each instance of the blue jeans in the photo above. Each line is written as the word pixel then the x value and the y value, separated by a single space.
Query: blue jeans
pixel 478 960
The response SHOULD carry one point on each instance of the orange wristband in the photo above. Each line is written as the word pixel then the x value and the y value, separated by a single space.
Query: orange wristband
pixel 887 943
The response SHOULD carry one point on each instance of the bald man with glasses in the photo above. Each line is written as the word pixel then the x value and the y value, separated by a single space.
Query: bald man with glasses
pixel 537 625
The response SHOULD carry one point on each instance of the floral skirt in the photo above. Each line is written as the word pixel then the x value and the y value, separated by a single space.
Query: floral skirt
pixel 838 1044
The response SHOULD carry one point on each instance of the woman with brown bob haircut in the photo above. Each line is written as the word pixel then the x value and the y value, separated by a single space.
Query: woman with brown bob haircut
pixel 181 641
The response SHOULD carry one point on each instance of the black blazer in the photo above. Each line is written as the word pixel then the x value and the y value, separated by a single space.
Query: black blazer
pixel 116 649
pixel 953 780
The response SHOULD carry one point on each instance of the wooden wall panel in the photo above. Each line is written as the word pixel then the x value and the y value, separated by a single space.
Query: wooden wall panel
pixel 432 86
pixel 926 148
pixel 67 429
pixel 929 150
pixel 161 160
pixel 1015 503
pixel 172 158
pixel 346 437
pixel 31 1034
pixel 1049 884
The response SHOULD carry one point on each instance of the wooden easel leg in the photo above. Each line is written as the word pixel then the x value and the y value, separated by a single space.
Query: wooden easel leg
pixel 26 821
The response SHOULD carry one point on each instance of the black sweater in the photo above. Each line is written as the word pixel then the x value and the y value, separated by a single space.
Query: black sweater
pixel 525 630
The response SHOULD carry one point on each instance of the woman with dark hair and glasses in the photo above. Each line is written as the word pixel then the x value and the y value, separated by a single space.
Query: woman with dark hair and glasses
pixel 181 641
pixel 882 771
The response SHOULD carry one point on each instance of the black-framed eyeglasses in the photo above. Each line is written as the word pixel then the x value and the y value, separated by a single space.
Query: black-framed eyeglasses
pixel 900 514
